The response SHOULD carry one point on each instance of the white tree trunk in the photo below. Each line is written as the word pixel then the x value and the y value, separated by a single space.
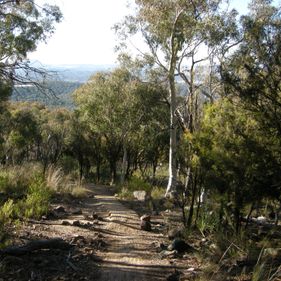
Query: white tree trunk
pixel 173 140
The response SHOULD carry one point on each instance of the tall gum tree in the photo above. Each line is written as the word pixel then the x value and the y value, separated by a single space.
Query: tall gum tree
pixel 176 34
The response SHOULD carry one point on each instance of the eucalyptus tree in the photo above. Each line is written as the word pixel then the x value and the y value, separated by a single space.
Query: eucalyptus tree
pixel 253 72
pixel 118 107
pixel 24 130
pixel 107 103
pixel 176 34
pixel 55 127
pixel 23 24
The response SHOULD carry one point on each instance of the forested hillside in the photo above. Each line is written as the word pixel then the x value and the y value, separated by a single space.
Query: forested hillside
pixel 185 136
pixel 60 83
pixel 49 93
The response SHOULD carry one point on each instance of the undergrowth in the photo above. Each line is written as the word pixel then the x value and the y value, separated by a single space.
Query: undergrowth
pixel 26 193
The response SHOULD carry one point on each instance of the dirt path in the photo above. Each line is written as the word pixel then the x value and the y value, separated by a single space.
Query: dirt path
pixel 131 253
pixel 110 247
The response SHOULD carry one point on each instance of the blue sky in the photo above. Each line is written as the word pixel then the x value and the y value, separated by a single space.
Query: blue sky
pixel 85 36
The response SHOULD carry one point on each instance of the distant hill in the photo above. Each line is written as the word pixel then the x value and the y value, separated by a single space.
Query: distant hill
pixel 76 73
pixel 62 81
pixel 52 93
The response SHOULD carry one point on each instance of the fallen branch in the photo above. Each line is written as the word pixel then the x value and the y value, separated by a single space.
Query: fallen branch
pixel 55 243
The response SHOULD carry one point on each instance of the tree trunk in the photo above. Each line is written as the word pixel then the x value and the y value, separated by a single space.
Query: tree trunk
pixel 113 172
pixel 193 198
pixel 98 171
pixel 124 165
pixel 154 167
pixel 81 164
pixel 173 138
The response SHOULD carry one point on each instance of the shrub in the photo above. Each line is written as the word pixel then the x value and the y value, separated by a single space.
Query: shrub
pixel 37 201
pixel 158 193
pixel 136 183
pixel 79 191
pixel 54 178
pixel 6 212
pixel 125 193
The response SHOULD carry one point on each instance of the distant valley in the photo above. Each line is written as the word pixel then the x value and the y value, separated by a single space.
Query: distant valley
pixel 62 81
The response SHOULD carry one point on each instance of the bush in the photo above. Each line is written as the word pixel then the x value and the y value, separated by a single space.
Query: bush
pixel 12 184
pixel 26 194
pixel 136 183
pixel 158 193
pixel 124 193
pixel 37 201
pixel 14 181
pixel 79 191
pixel 7 212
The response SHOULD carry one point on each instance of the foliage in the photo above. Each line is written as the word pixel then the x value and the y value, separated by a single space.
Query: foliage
pixel 157 193
pixel 23 24
pixel 253 71
pixel 51 93
pixel 236 156
pixel 117 106
pixel 23 195
pixel 37 200
pixel 125 194
pixel 136 183
pixel 7 212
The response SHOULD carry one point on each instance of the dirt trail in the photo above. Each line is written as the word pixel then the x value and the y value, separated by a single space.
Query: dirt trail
pixel 131 253
pixel 110 247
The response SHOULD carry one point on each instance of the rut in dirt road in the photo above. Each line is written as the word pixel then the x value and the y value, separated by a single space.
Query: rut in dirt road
pixel 130 253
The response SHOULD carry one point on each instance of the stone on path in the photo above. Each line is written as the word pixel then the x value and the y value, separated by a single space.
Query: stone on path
pixel 140 195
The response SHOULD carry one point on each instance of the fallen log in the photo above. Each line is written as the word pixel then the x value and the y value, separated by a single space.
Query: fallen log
pixel 54 243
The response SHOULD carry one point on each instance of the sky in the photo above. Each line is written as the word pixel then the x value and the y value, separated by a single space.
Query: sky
pixel 85 35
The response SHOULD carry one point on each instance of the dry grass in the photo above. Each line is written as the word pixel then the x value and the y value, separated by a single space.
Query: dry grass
pixel 79 191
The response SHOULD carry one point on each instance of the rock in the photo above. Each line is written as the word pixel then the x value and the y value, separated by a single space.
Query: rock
pixel 76 212
pixel 180 245
pixel 87 217
pixel 145 225
pixel 76 223
pixel 261 220
pixel 65 223
pixel 145 217
pixel 95 216
pixel 159 246
pixel 168 254
pixel 174 276
pixel 140 195
pixel 163 246
pixel 60 209
pixel 174 233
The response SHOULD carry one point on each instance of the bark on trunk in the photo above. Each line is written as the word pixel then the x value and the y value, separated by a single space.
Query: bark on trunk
pixel 173 139
pixel 113 173
pixel 124 165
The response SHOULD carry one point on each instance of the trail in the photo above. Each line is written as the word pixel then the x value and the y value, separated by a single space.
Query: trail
pixel 131 253
pixel 111 247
